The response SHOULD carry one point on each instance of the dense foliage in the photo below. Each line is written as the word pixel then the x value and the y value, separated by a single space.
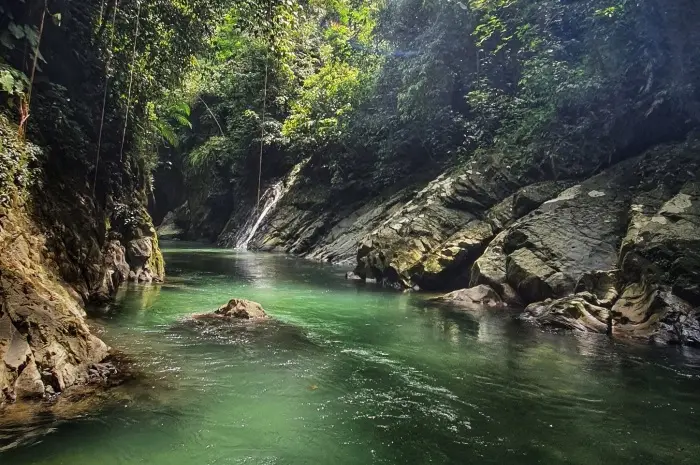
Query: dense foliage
pixel 111 56
pixel 377 91
pixel 372 92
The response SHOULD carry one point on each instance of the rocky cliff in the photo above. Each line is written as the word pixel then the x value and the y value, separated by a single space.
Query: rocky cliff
pixel 552 166
pixel 613 252
pixel 59 252
pixel 73 188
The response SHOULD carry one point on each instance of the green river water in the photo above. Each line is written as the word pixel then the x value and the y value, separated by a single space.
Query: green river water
pixel 348 374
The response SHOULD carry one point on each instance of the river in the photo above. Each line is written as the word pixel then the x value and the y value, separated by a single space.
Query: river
pixel 348 374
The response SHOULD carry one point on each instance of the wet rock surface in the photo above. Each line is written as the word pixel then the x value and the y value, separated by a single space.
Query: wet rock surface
pixel 111 382
pixel 570 249
pixel 432 218
pixel 235 310
pixel 44 338
pixel 579 312
pixel 476 297
pixel 116 271
pixel 628 265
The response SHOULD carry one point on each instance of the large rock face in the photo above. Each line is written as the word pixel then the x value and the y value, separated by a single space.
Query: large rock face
pixel 174 224
pixel 664 242
pixel 578 231
pixel 116 271
pixel 435 217
pixel 449 265
pixel 617 253
pixel 59 251
pixel 313 221
pixel 44 340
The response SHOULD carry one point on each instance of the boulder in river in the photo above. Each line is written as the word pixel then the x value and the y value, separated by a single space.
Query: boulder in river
pixel 476 297
pixel 235 309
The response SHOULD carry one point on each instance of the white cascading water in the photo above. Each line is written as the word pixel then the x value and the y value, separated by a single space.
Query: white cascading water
pixel 269 199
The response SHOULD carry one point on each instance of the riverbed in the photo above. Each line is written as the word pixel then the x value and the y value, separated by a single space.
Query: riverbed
pixel 350 374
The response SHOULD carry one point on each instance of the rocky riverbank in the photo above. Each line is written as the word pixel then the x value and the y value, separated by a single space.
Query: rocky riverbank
pixel 59 252
pixel 614 252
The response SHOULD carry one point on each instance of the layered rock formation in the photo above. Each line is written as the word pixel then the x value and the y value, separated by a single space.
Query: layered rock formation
pixel 617 252
pixel 56 256
pixel 45 343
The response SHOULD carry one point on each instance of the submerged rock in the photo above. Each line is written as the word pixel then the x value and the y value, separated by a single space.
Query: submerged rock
pixel 235 309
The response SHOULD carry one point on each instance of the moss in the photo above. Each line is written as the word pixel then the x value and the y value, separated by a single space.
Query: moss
pixel 432 265
pixel 15 159
pixel 157 263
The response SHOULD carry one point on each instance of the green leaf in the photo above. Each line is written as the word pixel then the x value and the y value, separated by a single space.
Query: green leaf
pixel 32 35
pixel 181 108
pixel 6 40
pixel 7 82
pixel 17 31
pixel 167 133
pixel 183 121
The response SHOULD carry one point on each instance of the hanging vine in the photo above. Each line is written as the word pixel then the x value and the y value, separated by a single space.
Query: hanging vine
pixel 26 100
pixel 211 113
pixel 102 12
pixel 104 98
pixel 262 133
pixel 264 110
pixel 131 79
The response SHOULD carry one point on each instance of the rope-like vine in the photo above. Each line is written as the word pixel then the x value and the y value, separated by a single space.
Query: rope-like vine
pixel 104 97
pixel 262 133
pixel 131 79
pixel 26 103
pixel 212 115
pixel 262 120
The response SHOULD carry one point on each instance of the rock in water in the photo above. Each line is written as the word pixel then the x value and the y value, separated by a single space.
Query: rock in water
pixel 475 297
pixel 236 309
pixel 351 276
pixel 580 312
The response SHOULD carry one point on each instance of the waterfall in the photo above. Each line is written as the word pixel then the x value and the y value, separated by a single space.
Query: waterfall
pixel 268 200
